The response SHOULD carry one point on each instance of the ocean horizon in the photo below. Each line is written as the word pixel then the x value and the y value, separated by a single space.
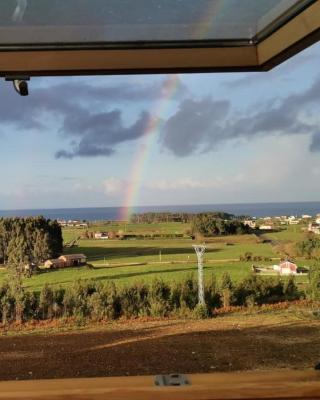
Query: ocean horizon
pixel 112 213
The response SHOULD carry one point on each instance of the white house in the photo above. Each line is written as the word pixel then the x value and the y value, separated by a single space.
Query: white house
pixel 265 227
pixel 315 228
pixel 101 235
pixel 250 223
pixel 286 268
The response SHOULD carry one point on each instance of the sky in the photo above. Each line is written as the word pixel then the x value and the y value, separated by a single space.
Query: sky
pixel 160 139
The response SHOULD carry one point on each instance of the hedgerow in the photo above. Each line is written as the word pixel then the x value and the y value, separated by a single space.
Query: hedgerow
pixel 106 301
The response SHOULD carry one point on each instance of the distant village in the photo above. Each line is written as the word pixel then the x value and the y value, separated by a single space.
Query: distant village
pixel 274 223
pixel 310 223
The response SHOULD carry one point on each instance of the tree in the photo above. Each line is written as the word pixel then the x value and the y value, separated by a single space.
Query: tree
pixel 28 240
pixel 41 250
pixel 212 224
pixel 314 282
pixel 309 247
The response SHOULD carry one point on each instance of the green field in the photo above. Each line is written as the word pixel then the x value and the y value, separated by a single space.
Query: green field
pixel 124 261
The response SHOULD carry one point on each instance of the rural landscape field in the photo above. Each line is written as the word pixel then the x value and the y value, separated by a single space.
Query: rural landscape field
pixel 137 294
pixel 125 261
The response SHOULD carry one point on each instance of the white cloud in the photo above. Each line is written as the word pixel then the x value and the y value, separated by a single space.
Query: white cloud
pixel 185 183
pixel 114 186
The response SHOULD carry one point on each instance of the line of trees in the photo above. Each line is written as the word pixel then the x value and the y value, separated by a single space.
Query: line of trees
pixel 158 217
pixel 105 301
pixel 28 240
pixel 208 224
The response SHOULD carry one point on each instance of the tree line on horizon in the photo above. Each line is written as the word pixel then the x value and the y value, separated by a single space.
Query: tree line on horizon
pixel 29 240
pixel 163 217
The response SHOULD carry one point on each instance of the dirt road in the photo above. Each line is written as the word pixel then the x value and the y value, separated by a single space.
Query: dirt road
pixel 146 348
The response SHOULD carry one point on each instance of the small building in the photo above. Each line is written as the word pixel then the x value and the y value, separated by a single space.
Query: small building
pixel 73 260
pixel 294 222
pixel 252 224
pixel 266 227
pixel 69 260
pixel 54 263
pixel 314 228
pixel 286 268
pixel 62 222
pixel 101 235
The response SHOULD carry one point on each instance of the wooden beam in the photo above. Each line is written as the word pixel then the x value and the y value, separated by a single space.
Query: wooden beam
pixel 293 37
pixel 124 61
pixel 278 385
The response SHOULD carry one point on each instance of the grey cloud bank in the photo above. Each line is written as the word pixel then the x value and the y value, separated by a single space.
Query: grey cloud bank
pixel 203 125
pixel 86 113
pixel 93 118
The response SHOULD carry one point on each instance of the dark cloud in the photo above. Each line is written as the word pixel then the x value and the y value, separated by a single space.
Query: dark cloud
pixel 88 113
pixel 205 124
pixel 100 133
pixel 193 124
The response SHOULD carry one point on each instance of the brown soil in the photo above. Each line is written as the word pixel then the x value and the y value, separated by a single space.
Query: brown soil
pixel 145 348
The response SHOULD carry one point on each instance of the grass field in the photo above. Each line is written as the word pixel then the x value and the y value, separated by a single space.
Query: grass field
pixel 170 227
pixel 125 261
pixel 290 233
pixel 122 275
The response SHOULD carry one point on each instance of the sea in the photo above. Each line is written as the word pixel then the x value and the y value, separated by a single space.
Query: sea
pixel 112 213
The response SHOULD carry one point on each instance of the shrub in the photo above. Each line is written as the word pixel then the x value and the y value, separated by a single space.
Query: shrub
pixel 212 295
pixel 46 302
pixel 290 290
pixel 189 292
pixel 226 290
pixel 7 303
pixel 313 291
pixel 201 311
pixel 134 300
pixel 159 299
pixel 103 301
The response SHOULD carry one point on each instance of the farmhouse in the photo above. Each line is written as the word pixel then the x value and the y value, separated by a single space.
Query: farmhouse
pixel 72 260
pixel 294 221
pixel 265 227
pixel 101 235
pixel 286 268
pixel 69 260
pixel 54 263
pixel 315 228
pixel 252 224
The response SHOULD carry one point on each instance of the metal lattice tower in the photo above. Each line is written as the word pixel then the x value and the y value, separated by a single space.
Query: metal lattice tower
pixel 200 249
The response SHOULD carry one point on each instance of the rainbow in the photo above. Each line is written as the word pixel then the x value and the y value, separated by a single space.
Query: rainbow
pixel 208 20
pixel 149 137
pixel 152 128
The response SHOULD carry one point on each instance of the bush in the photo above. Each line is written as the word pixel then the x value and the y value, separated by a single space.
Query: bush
pixel 201 311
pixel 135 301
pixel 103 301
pixel 189 292
pixel 313 291
pixel 212 295
pixel 159 299
pixel 46 302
